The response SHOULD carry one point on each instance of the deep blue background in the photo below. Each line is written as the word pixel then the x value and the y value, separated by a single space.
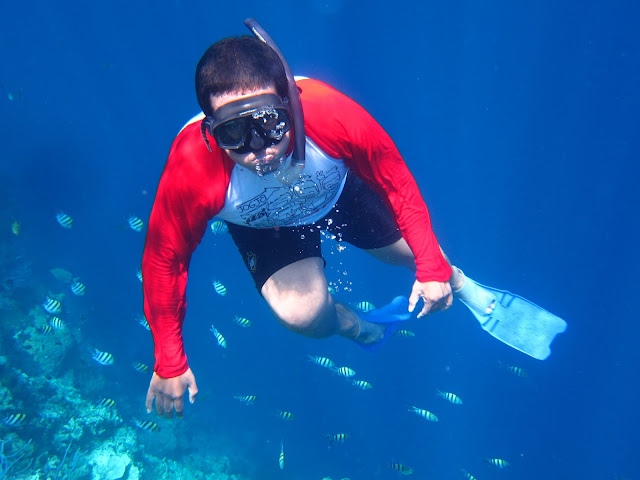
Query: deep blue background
pixel 519 122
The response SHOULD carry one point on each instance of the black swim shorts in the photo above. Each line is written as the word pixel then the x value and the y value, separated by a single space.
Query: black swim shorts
pixel 360 218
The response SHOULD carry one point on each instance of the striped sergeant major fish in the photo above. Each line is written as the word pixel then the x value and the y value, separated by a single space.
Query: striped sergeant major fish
pixel 103 358
pixel 52 306
pixel 246 399
pixel 219 227
pixel 421 412
pixel 405 333
pixel 147 425
pixel 219 338
pixel 467 475
pixel 77 288
pixel 322 361
pixel 15 227
pixel 450 397
pixel 46 330
pixel 107 402
pixel 365 307
pixel 362 384
pixel 14 419
pixel 135 223
pixel 64 220
pixel 140 367
pixel 288 416
pixel 512 369
pixel 219 288
pixel 281 457
pixel 56 323
pixel 345 372
pixel 241 321
pixel 139 275
pixel 144 323
pixel 498 463
pixel 337 438
pixel 399 467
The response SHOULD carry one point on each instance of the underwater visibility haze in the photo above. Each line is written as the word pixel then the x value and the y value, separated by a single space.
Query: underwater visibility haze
pixel 520 125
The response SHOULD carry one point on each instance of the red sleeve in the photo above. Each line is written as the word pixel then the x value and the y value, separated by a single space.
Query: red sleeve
pixel 343 129
pixel 191 191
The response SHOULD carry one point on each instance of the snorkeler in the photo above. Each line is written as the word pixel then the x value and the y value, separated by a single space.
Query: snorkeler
pixel 278 160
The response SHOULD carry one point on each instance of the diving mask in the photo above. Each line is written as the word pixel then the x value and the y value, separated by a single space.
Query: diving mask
pixel 250 124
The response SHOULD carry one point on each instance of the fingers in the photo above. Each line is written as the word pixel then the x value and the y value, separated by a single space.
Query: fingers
pixel 159 404
pixel 413 299
pixel 193 391
pixel 168 407
pixel 432 301
pixel 178 404
pixel 149 400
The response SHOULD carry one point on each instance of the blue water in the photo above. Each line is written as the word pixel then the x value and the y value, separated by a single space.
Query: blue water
pixel 520 124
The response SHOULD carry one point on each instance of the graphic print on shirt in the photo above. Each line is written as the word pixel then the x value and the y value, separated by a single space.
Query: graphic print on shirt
pixel 289 204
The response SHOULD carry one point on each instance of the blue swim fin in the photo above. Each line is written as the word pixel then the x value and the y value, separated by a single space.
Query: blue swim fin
pixel 512 319
pixel 392 315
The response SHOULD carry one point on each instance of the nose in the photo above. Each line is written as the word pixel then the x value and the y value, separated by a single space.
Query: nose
pixel 256 142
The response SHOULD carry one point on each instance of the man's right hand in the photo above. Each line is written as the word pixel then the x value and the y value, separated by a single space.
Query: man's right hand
pixel 169 393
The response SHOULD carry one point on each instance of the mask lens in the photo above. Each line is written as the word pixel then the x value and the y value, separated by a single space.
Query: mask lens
pixel 268 123
pixel 232 134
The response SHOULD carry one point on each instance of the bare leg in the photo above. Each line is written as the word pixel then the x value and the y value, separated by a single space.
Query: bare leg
pixel 300 300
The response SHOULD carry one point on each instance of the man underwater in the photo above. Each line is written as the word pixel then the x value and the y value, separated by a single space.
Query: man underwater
pixel 279 160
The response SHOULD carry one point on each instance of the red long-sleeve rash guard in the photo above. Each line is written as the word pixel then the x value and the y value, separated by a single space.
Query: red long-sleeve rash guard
pixel 192 191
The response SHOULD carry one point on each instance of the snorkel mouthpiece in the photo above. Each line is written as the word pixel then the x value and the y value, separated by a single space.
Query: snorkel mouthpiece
pixel 263 168
pixel 285 173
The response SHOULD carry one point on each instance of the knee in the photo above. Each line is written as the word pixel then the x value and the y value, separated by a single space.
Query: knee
pixel 311 314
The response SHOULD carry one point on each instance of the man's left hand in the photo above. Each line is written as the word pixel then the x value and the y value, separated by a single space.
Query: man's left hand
pixel 435 295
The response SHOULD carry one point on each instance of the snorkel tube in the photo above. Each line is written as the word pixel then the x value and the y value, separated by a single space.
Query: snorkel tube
pixel 286 173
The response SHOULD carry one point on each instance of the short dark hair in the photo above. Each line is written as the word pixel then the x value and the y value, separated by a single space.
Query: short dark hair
pixel 238 64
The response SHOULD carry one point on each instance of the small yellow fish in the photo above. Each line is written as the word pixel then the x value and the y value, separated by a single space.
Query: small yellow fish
pixel 15 227
pixel 281 457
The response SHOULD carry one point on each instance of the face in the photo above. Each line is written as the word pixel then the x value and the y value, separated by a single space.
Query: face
pixel 252 159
